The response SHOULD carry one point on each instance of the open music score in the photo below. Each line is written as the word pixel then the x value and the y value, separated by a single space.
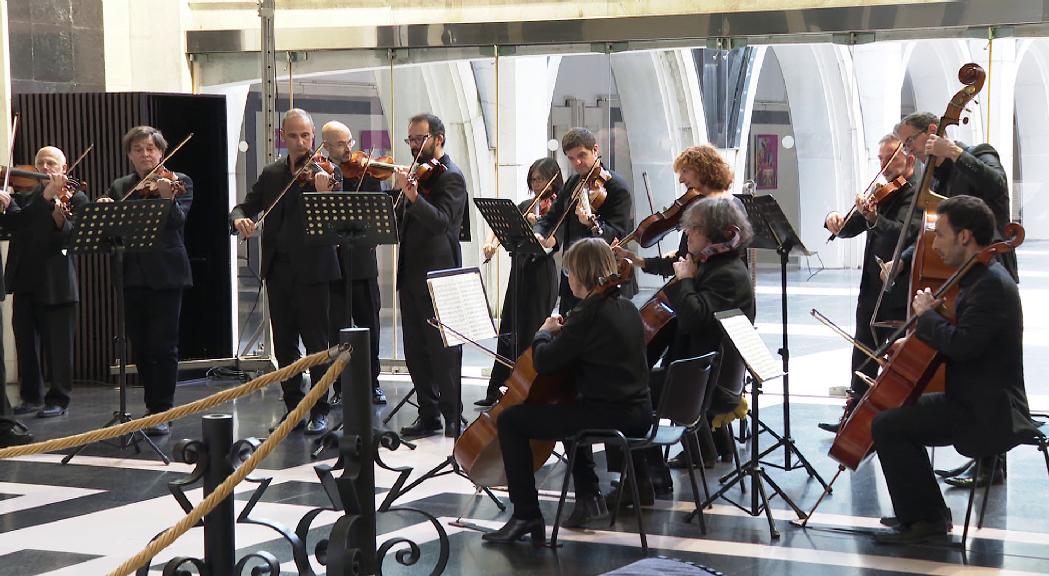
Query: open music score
pixel 460 303
pixel 762 365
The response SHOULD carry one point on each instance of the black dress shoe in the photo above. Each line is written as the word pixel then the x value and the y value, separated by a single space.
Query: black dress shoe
pixel 966 479
pixel 914 533
pixel 894 522
pixel 26 408
pixel 421 428
pixel 51 411
pixel 955 471
pixel 378 396
pixel 297 427
pixel 317 425
pixel 336 399
pixel 162 429
pixel 488 401
pixel 647 497
pixel 449 430
pixel 829 427
pixel 516 529
pixel 680 463
pixel 587 510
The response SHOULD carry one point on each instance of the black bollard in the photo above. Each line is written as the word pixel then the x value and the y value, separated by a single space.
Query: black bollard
pixel 358 447
pixel 219 533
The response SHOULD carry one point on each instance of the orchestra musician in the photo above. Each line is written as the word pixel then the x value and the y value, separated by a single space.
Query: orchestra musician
pixel 365 300
pixel 7 208
pixel 430 217
pixel 154 281
pixel 984 408
pixel 297 275
pixel 537 280
pixel 883 224
pixel 41 276
pixel 614 217
pixel 709 277
pixel 961 170
pixel 601 343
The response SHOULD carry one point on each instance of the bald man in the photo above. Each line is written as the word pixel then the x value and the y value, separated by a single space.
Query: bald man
pixel 297 274
pixel 41 275
pixel 362 273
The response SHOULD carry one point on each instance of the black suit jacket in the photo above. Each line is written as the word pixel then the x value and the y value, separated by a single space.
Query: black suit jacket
pixel 984 356
pixel 603 343
pixel 881 242
pixel 616 217
pixel 363 264
pixel 166 267
pixel 284 229
pixel 429 228
pixel 36 259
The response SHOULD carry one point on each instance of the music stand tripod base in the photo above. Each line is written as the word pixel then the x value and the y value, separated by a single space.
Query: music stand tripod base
pixel 115 228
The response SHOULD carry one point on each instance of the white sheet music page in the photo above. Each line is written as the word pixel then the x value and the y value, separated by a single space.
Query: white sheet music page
pixel 761 363
pixel 460 303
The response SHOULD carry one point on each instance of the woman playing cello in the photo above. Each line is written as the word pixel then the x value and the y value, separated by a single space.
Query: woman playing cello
pixel 601 343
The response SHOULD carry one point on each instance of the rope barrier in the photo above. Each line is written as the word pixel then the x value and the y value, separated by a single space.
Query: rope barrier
pixel 226 488
pixel 173 414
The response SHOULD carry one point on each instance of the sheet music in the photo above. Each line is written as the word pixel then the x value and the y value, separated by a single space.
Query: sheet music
pixel 761 363
pixel 460 303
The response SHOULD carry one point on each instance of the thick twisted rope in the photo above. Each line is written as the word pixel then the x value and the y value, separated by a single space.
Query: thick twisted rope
pixel 226 488
pixel 173 414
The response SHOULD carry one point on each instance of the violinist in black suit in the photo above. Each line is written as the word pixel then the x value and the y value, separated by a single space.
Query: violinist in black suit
pixel 430 217
pixel 883 225
pixel 984 408
pixel 364 268
pixel 42 277
pixel 614 218
pixel 297 275
pixel 7 209
pixel 154 280
pixel 601 342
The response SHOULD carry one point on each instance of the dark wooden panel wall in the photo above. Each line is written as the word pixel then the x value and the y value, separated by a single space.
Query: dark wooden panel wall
pixel 73 122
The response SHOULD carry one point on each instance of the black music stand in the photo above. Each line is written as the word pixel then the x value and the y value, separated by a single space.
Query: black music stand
pixel 516 236
pixel 762 367
pixel 772 231
pixel 115 228
pixel 349 220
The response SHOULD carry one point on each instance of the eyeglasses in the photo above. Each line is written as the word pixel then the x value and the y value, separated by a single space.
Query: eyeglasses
pixel 907 142
pixel 415 139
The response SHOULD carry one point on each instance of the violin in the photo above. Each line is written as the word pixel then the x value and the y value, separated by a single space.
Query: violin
pixel 148 187
pixel 878 197
pixel 653 228
pixel 316 165
pixel 360 164
pixel 25 177
pixel 477 450
pixel 909 367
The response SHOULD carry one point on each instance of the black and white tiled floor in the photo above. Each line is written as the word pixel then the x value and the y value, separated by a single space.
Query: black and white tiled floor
pixel 89 516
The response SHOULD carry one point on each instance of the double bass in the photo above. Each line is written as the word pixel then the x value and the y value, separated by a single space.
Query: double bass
pixel 477 451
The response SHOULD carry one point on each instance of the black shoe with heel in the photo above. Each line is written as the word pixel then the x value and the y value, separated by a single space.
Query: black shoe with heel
pixel 516 529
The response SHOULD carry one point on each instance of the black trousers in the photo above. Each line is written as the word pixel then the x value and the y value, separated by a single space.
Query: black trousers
pixel 519 424
pixel 364 313
pixel 538 292
pixel 5 403
pixel 297 311
pixel 51 327
pixel 152 326
pixel 864 312
pixel 567 300
pixel 900 437
pixel 436 371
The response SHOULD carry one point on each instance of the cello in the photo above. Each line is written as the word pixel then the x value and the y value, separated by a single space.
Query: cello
pixel 477 450
pixel 910 366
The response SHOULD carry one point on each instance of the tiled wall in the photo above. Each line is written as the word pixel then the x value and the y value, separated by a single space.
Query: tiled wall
pixel 56 46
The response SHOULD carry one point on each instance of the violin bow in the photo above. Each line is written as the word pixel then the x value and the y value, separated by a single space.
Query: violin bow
pixel 294 179
pixel 157 167
pixel 10 154
pixel 570 204
pixel 530 206
pixel 80 158
pixel 498 358
pixel 411 168
pixel 651 206
pixel 852 210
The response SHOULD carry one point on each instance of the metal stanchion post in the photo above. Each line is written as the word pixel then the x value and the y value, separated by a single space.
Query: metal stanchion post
pixel 219 532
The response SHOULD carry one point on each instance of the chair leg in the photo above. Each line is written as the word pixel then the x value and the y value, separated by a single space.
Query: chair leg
pixel 564 493
pixel 987 490
pixel 637 497
pixel 1043 447
pixel 695 491
pixel 703 476
pixel 969 508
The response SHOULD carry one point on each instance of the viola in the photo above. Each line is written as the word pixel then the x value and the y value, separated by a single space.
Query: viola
pixel 878 197
pixel 653 228
pixel 658 316
pixel 148 187
pixel 477 450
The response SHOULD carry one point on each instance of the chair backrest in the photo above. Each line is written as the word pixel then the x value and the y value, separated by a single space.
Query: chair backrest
pixel 684 390
pixel 728 378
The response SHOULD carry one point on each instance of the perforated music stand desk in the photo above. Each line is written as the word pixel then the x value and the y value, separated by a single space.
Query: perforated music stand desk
pixel 115 228
pixel 360 218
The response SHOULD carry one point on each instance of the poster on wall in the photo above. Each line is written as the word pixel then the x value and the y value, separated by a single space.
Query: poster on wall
pixel 766 161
